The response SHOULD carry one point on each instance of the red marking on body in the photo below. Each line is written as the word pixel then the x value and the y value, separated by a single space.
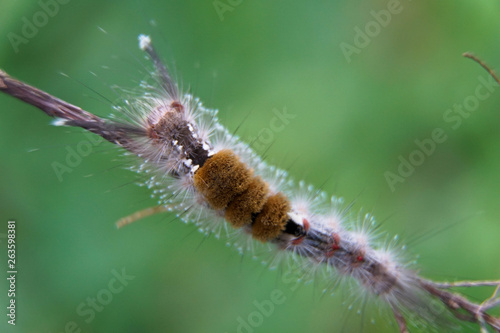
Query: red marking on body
pixel 335 246
pixel 306 224
pixel 336 241
pixel 336 238
pixel 360 258
pixel 152 133
pixel 177 106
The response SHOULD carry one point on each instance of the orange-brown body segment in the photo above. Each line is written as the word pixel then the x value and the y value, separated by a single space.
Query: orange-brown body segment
pixel 229 184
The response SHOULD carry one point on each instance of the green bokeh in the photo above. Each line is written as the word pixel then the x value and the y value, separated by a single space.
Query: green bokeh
pixel 353 121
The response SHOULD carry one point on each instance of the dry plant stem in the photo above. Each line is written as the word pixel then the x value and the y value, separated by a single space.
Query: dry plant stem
pixel 491 304
pixel 461 307
pixel 493 301
pixel 57 108
pixel 49 104
pixel 482 64
pixel 140 214
pixel 467 284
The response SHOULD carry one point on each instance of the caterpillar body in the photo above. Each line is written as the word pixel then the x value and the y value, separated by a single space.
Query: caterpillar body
pixel 205 174
pixel 215 180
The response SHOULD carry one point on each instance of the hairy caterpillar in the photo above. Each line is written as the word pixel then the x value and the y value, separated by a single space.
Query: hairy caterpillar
pixel 205 174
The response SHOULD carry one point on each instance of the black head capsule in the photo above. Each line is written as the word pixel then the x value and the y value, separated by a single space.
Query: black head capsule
pixel 294 229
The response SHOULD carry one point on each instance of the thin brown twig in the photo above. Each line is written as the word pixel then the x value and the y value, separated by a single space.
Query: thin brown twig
pixel 480 314
pixel 73 115
pixel 482 326
pixel 492 301
pixel 483 64
pixel 467 284
pixel 461 307
pixel 52 106
pixel 484 306
pixel 480 309
pixel 140 215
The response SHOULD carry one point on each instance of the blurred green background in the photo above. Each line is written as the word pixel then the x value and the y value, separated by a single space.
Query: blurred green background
pixel 354 119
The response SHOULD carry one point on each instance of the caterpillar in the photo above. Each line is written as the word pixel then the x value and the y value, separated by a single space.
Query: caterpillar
pixel 206 175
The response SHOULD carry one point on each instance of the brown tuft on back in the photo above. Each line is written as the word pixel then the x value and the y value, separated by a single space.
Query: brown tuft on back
pixel 240 210
pixel 222 178
pixel 272 219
